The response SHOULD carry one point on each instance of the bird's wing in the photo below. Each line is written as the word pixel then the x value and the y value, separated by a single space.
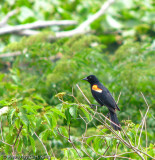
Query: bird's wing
pixel 109 100
pixel 105 97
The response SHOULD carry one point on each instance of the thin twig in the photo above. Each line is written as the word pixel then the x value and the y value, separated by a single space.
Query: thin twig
pixel 6 143
pixel 116 149
pixel 18 134
pixel 118 97
pixel 129 145
pixel 69 140
pixel 83 94
pixel 104 153
pixel 2 130
pixel 146 137
pixel 144 118
pixel 69 132
pixel 42 143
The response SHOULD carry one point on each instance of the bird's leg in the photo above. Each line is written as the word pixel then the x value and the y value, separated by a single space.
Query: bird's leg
pixel 94 105
pixel 108 115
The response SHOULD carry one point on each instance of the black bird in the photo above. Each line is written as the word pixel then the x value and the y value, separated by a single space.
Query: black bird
pixel 104 97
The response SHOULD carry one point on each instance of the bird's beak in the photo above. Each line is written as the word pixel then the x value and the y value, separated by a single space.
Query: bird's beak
pixel 85 79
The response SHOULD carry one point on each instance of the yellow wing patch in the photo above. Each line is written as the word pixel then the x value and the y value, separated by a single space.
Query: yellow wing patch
pixel 95 88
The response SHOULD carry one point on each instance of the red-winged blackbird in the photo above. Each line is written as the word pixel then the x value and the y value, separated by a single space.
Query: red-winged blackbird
pixel 104 97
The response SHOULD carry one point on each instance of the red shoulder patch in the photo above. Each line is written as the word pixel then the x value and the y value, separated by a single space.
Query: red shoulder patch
pixel 95 88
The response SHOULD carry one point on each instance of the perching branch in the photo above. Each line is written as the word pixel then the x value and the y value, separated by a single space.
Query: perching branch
pixel 129 145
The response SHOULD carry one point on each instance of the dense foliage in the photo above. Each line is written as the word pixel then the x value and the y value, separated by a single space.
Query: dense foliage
pixel 46 114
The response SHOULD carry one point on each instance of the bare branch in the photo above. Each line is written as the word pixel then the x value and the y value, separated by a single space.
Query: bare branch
pixel 18 135
pixel 2 130
pixel 38 24
pixel 28 32
pixel 144 118
pixel 70 141
pixel 10 54
pixel 41 143
pixel 118 97
pixel 6 18
pixel 81 29
pixel 83 94
pixel 129 145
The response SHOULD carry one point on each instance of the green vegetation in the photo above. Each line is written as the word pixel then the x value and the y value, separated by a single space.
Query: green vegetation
pixel 38 88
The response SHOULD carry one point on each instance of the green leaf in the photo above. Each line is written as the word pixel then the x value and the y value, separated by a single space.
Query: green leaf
pixel 86 113
pixel 113 23
pixel 97 142
pixel 29 109
pixel 43 135
pixel 4 103
pixel 25 141
pixel 39 98
pixel 68 116
pixel 32 144
pixel 58 112
pixel 54 121
pixel 25 13
pixel 60 95
pixel 63 131
pixel 48 119
pixel 73 111
pixel 51 119
pixel 20 145
pixel 10 115
pixel 24 118
pixel 37 107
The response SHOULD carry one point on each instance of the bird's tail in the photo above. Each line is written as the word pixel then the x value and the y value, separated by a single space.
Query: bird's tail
pixel 114 119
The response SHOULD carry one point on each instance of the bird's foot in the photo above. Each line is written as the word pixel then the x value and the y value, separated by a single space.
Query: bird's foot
pixel 94 105
pixel 108 115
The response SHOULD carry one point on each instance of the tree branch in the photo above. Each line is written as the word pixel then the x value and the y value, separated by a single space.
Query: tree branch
pixel 18 135
pixel 42 144
pixel 6 18
pixel 129 145
pixel 38 24
pixel 10 54
pixel 81 29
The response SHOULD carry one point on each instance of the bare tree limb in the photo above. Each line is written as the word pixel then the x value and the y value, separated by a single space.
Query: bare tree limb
pixel 20 129
pixel 10 54
pixel 6 18
pixel 38 24
pixel 28 32
pixel 129 145
pixel 81 29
